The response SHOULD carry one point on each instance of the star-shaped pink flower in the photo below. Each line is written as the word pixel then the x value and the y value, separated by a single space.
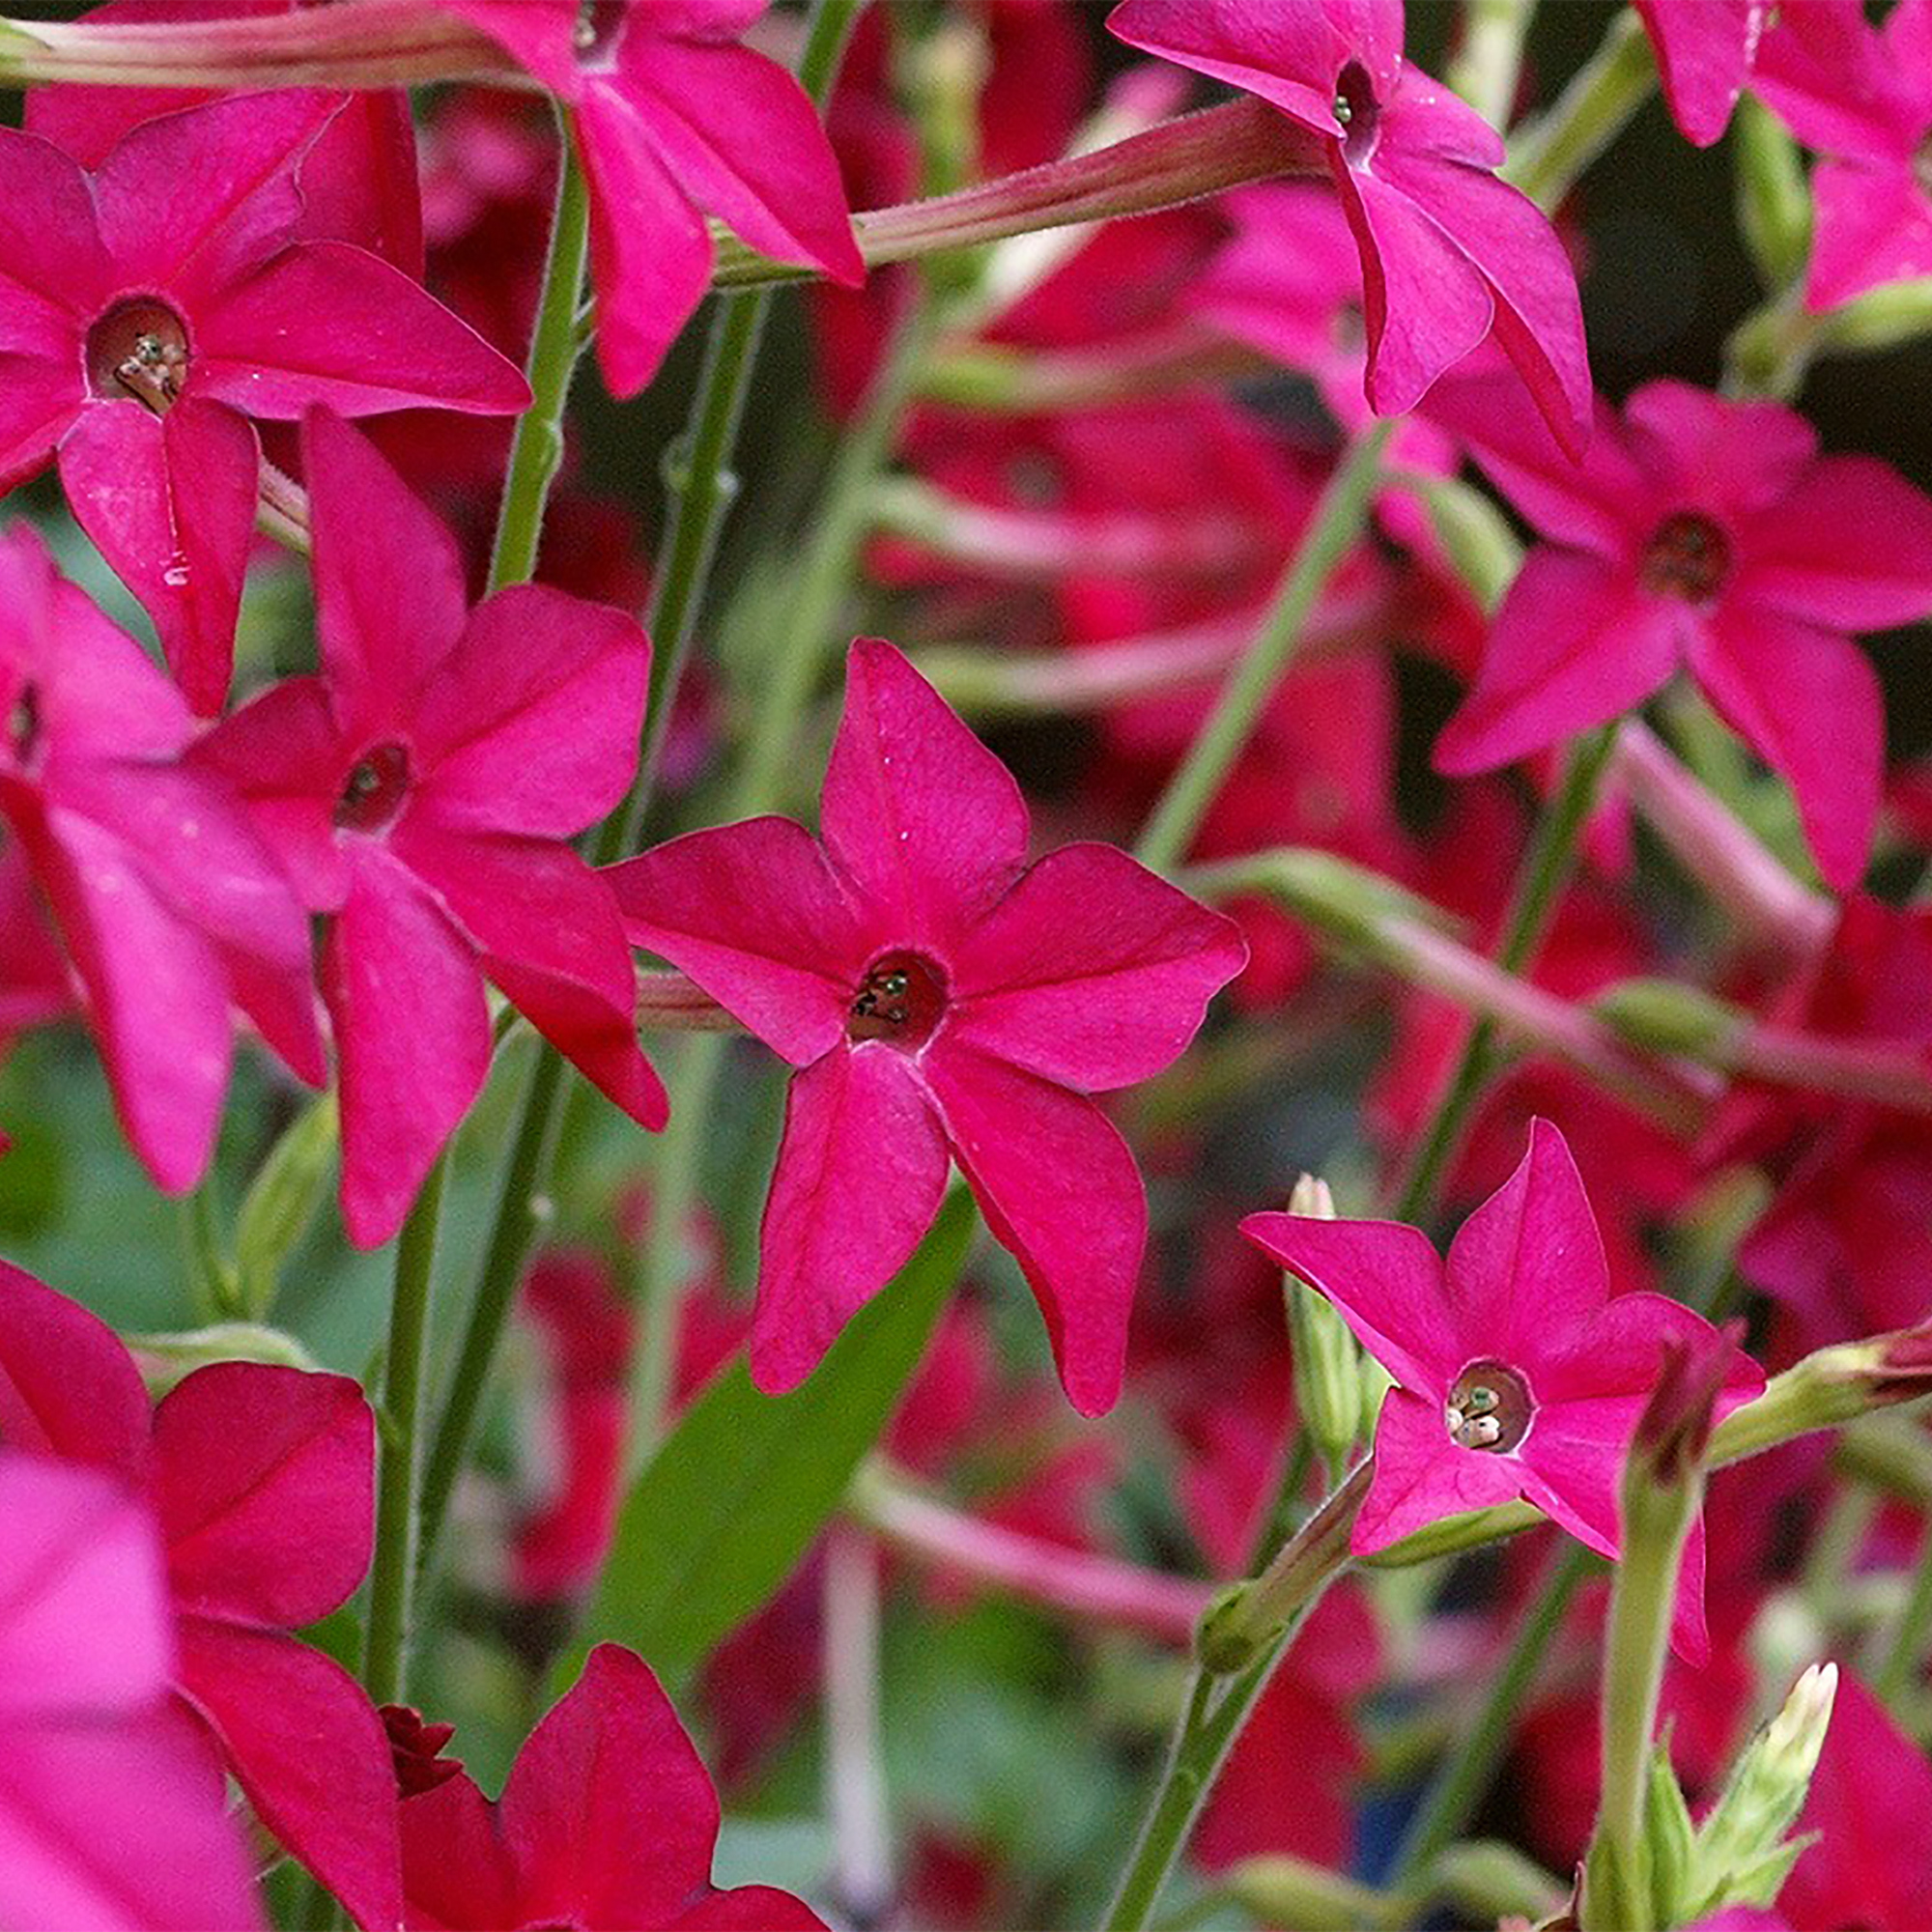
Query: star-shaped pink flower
pixel 154 305
pixel 108 1816
pixel 675 121
pixel 1449 252
pixel 607 1825
pixel 422 791
pixel 1515 1373
pixel 942 1000
pixel 263 1485
pixel 168 905
pixel 1712 536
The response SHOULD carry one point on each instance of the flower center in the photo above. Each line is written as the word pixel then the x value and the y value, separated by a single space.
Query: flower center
pixel 24 723
pixel 373 793
pixel 1489 1407
pixel 1688 557
pixel 139 349
pixel 594 37
pixel 902 998
pixel 1358 111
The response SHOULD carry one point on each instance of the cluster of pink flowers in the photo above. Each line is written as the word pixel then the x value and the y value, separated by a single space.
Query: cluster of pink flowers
pixel 375 855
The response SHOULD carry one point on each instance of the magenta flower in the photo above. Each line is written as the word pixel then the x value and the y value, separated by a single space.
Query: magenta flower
pixel 1517 1374
pixel 1705 50
pixel 34 985
pixel 939 998
pixel 1862 96
pixel 1712 536
pixel 263 1481
pixel 607 1825
pixel 1448 251
pixel 421 792
pixel 165 900
pixel 674 121
pixel 108 1817
pixel 155 304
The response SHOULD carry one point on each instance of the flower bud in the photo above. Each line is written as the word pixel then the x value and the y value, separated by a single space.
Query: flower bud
pixel 282 1200
pixel 1665 1016
pixel 1883 318
pixel 1327 1364
pixel 1740 1843
pixel 1281 1891
pixel 1774 198
pixel 166 1358
pixel 1475 536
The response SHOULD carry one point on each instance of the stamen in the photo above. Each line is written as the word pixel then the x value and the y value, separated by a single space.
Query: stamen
pixel 1689 557
pixel 374 792
pixel 901 1000
pixel 1489 1407
pixel 139 349
pixel 1358 111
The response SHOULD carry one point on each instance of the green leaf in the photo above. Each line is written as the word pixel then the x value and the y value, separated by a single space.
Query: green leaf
pixel 740 1488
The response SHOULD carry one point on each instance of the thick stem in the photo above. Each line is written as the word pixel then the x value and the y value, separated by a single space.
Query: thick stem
pixel 1462 1781
pixel 392 1570
pixel 1336 524
pixel 1548 156
pixel 1546 869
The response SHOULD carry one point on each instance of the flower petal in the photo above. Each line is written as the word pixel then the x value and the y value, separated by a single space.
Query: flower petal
pixel 1808 702
pixel 411 1034
pixel 650 250
pixel 1091 972
pixel 307 1747
pixel 1704 57
pixel 749 1908
pixel 389 577
pixel 1849 548
pixel 67 1386
pixel 327 322
pixel 754 913
pixel 1287 55
pixel 190 199
pixel 49 239
pixel 1575 643
pixel 456 1869
pixel 1421 1476
pixel 1386 1281
pixel 609 1815
pixel 532 724
pixel 744 140
pixel 859 1174
pixel 1527 1267
pixel 170 501
pixel 264 1484
pixel 548 928
pixel 1060 1190
pixel 917 812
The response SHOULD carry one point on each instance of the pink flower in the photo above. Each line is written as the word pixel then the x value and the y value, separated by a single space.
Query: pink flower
pixel 607 1825
pixel 34 987
pixel 155 304
pixel 1712 536
pixel 263 1481
pixel 109 1817
pixel 1862 96
pixel 941 1001
pixel 1871 1803
pixel 1516 1374
pixel 1448 251
pixel 164 899
pixel 421 792
pixel 675 121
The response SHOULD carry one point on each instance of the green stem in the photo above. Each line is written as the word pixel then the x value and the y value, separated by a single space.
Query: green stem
pixel 1462 1783
pixel 537 450
pixel 392 1571
pixel 1906 1658
pixel 1587 116
pixel 837 531
pixel 1489 60
pixel 1546 869
pixel 1337 521
pixel 512 1229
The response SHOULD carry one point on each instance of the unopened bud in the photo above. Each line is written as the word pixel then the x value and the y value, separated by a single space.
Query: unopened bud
pixel 1475 536
pixel 1883 318
pixel 1673 1434
pixel 1487 1879
pixel 1741 1845
pixel 1327 1364
pixel 164 1359
pixel 1667 1016
pixel 1774 198
pixel 1281 1891
pixel 282 1200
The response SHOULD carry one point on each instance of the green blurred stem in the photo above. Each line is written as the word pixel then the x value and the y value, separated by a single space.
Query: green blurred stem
pixel 535 453
pixel 211 1279
pixel 1548 156
pixel 1546 869
pixel 1460 1786
pixel 1337 521
pixel 392 1571
pixel 1487 65
pixel 824 576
